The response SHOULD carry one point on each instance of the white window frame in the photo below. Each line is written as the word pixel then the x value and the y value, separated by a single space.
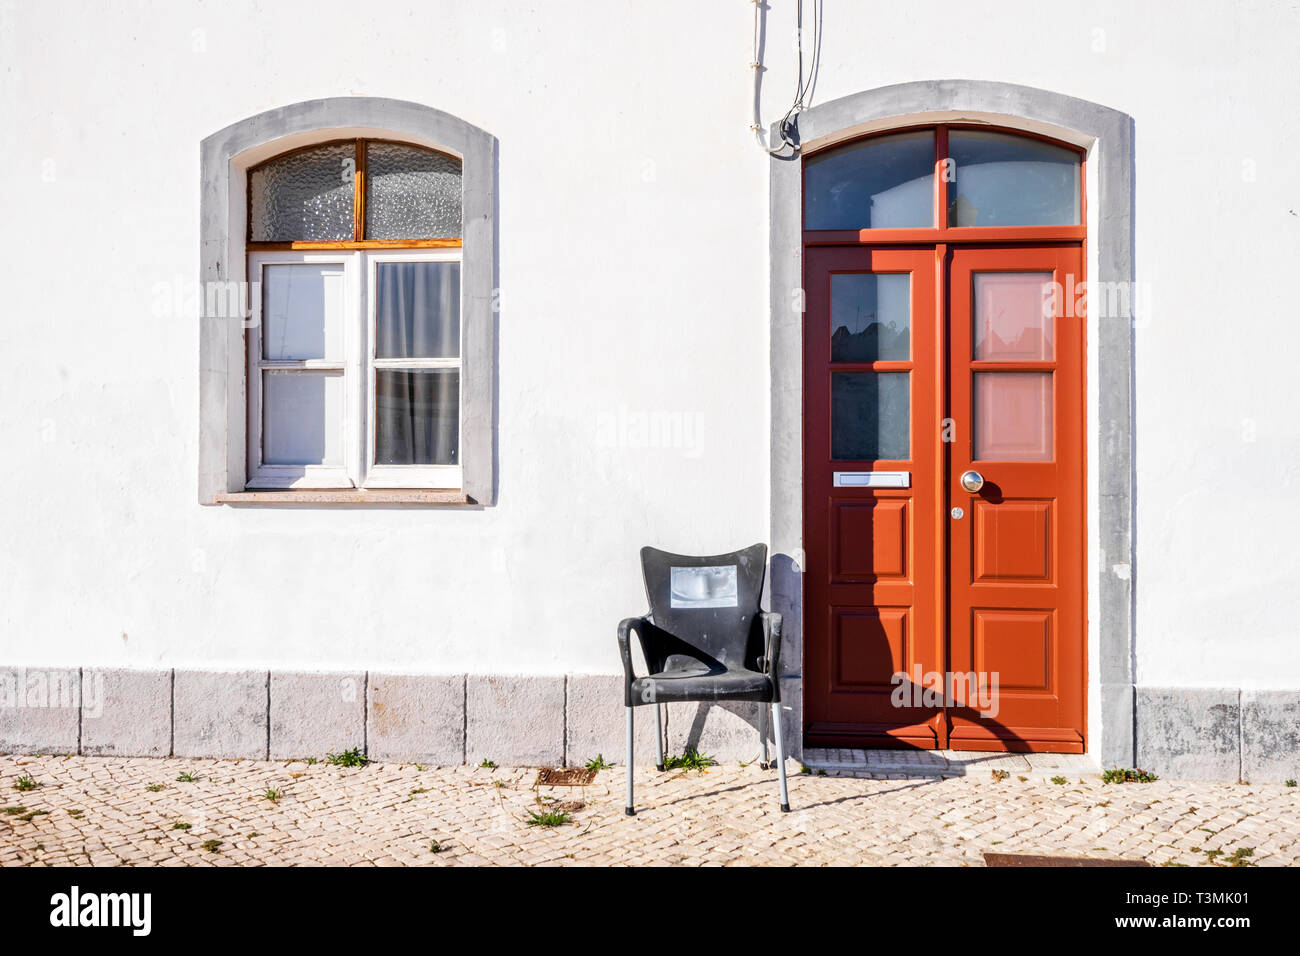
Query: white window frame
pixel 358 368
pixel 271 476
pixel 408 476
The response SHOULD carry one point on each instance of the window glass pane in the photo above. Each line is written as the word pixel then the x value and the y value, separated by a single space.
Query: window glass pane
pixel 411 193
pixel 302 311
pixel 417 416
pixel 1005 180
pixel 302 418
pixel 881 183
pixel 1013 416
pixel 1013 316
pixel 417 310
pixel 870 416
pixel 305 195
pixel 871 317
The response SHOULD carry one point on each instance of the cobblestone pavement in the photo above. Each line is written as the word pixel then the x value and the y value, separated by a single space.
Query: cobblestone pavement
pixel 109 811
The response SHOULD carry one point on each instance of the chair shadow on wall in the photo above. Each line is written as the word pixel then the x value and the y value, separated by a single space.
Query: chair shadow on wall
pixel 784 598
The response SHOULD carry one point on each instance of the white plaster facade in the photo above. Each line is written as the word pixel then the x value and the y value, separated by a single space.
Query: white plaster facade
pixel 633 262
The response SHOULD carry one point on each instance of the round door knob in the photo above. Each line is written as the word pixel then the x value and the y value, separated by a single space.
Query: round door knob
pixel 972 481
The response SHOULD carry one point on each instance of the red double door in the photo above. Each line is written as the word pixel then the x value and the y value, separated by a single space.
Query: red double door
pixel 944 498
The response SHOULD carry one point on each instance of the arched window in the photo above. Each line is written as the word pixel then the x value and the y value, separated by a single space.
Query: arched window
pixel 355 345
pixel 348 285
pixel 944 177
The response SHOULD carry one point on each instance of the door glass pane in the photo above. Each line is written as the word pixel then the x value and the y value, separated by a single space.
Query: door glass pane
pixel 1006 180
pixel 1013 416
pixel 411 193
pixel 305 195
pixel 302 311
pixel 882 183
pixel 417 416
pixel 870 416
pixel 302 418
pixel 1013 316
pixel 871 317
pixel 417 310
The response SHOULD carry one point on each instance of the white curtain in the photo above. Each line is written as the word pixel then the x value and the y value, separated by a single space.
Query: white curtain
pixel 417 315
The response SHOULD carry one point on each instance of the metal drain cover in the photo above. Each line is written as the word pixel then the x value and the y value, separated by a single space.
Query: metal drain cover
pixel 564 777
pixel 1030 859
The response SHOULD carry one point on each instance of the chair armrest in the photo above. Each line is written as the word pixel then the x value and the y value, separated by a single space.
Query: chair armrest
pixel 625 629
pixel 771 659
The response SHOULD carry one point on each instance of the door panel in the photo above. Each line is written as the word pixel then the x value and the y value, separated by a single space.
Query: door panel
pixel 1011 542
pixel 871 398
pixel 869 541
pixel 1015 601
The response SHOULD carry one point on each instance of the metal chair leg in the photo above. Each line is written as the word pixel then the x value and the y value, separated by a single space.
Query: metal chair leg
pixel 659 738
pixel 631 764
pixel 765 763
pixel 780 756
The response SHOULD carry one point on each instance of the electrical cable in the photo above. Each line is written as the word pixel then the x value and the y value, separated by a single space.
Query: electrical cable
pixel 802 88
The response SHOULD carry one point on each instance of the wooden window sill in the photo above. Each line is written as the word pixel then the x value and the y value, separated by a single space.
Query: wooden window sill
pixel 377 496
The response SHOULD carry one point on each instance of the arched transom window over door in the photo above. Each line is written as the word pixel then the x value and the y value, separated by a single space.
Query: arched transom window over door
pixel 942 178
pixel 355 350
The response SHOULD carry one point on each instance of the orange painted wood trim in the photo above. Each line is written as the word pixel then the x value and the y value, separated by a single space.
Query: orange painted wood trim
pixel 303 245
pixel 948 234
pixel 359 192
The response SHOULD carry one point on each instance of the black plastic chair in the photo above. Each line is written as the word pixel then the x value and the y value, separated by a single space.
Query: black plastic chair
pixel 705 639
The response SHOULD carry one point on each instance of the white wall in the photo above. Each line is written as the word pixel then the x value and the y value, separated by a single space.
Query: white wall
pixel 633 265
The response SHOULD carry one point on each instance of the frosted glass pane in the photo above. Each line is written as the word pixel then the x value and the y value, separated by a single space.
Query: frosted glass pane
pixel 881 183
pixel 302 311
pixel 411 193
pixel 1013 416
pixel 305 195
pixel 871 317
pixel 870 416
pixel 417 310
pixel 417 416
pixel 302 418
pixel 1013 316
pixel 1004 180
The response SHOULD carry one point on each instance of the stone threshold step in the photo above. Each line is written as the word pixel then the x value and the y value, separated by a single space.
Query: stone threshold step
pixel 947 763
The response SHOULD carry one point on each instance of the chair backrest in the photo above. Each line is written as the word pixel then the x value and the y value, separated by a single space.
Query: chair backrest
pixel 709 602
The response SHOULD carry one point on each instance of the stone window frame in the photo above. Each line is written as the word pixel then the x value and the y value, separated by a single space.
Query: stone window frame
pixel 225 158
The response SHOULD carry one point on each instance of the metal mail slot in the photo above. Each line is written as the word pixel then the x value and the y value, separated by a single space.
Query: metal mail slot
pixel 873 479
